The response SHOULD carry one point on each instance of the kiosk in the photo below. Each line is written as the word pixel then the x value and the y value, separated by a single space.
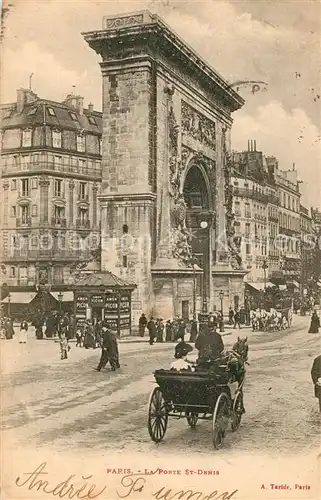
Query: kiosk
pixel 103 296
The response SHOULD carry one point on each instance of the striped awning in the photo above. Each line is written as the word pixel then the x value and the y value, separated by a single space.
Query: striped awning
pixel 19 298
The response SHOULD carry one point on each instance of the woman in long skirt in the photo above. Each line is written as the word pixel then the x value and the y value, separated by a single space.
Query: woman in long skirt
pixel 315 323
pixel 22 334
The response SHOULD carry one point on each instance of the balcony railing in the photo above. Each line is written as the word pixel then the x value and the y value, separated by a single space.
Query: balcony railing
pixel 23 222
pixel 53 254
pixel 49 165
pixel 83 224
pixel 59 221
pixel 251 193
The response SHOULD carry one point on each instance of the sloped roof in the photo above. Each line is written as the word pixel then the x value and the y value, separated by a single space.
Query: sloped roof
pixel 36 113
pixel 103 278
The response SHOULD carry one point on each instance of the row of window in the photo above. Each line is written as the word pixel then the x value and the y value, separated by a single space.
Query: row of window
pixel 26 212
pixel 24 273
pixel 66 139
pixel 290 202
pixel 25 185
pixel 288 222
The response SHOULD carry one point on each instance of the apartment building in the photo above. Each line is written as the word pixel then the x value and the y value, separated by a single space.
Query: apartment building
pixel 50 182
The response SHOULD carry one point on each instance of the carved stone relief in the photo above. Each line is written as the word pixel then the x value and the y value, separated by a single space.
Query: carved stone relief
pixel 122 22
pixel 233 242
pixel 198 126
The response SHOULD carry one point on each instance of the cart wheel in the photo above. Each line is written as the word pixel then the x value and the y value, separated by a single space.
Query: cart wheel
pixel 237 411
pixel 192 419
pixel 157 415
pixel 220 420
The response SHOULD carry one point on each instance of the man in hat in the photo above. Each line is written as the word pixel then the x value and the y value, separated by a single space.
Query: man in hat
pixel 209 343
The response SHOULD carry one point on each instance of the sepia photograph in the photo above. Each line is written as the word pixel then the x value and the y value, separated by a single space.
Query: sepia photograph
pixel 160 250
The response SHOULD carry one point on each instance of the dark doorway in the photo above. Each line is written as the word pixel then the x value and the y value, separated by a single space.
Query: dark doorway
pixel 185 310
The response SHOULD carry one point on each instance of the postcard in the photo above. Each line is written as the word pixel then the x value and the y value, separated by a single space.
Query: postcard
pixel 160 250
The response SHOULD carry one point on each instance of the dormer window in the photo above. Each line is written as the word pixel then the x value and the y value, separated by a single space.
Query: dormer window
pixel 92 120
pixel 51 111
pixel 56 138
pixel 73 116
pixel 26 138
pixel 81 143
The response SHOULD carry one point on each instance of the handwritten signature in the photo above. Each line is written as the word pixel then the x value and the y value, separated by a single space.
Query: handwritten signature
pixel 132 483
pixel 66 488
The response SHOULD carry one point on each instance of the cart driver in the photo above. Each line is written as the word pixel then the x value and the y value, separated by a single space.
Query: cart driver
pixel 209 343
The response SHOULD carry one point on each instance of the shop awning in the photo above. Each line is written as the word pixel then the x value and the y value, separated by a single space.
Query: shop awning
pixel 66 296
pixel 19 298
pixel 259 286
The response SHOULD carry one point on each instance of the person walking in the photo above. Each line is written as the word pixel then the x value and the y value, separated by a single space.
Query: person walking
pixel 109 350
pixel 168 331
pixel 315 323
pixel 9 331
pixel 142 324
pixel 194 332
pixel 89 338
pixel 64 346
pixel 151 327
pixel 105 335
pixel 174 330
pixel 22 335
pixel 237 320
pixel 231 316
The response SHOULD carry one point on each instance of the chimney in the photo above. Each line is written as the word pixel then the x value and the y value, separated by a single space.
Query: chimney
pixel 248 145
pixel 90 107
pixel 254 145
pixel 76 102
pixel 25 96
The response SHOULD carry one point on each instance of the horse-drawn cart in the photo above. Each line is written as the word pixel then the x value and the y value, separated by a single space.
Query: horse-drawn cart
pixel 195 395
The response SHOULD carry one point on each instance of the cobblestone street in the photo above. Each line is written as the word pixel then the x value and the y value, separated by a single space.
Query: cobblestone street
pixel 68 406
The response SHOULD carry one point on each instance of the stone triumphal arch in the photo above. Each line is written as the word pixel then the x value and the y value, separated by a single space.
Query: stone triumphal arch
pixel 166 169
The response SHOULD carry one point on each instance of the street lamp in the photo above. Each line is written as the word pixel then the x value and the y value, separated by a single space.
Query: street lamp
pixel 60 297
pixel 9 303
pixel 204 225
pixel 221 295
pixel 264 267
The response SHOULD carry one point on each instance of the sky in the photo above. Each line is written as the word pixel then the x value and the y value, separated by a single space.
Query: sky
pixel 276 41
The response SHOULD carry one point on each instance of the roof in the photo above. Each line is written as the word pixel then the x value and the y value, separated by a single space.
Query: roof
pixel 19 298
pixel 66 296
pixel 36 113
pixel 260 286
pixel 103 278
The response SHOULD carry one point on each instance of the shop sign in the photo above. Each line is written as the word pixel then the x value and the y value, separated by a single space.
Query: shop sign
pixel 97 300
pixel 81 302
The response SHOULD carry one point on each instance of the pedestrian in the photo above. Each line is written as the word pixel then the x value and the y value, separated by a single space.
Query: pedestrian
pixel 64 346
pixel 194 331
pixel 316 378
pixel 142 324
pixel 22 335
pixel 237 321
pixel 315 323
pixel 181 329
pixel 231 316
pixel 89 337
pixel 174 330
pixel 151 327
pixel 109 350
pixel 242 315
pixel 9 331
pixel 79 337
pixel 168 331
pixel 159 330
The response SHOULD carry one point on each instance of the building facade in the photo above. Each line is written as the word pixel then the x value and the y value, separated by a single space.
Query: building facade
pixel 166 193
pixel 50 182
pixel 268 218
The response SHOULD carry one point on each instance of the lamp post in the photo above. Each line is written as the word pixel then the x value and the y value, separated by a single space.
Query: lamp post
pixel 204 225
pixel 60 297
pixel 221 295
pixel 264 267
pixel 9 303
